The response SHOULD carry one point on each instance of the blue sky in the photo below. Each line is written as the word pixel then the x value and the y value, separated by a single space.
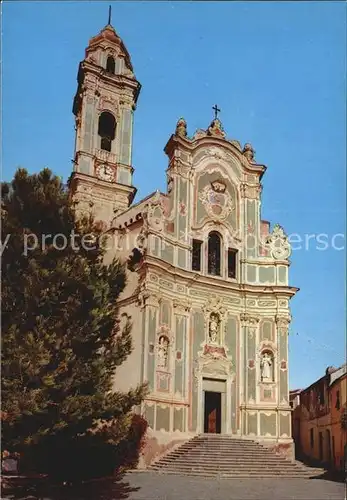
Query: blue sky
pixel 277 71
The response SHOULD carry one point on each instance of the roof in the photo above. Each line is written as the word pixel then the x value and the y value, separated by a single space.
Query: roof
pixel 340 372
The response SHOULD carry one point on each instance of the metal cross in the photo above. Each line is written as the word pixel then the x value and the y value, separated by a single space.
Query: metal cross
pixel 109 14
pixel 216 111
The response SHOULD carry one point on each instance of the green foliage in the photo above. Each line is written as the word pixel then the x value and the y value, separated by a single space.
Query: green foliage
pixel 61 340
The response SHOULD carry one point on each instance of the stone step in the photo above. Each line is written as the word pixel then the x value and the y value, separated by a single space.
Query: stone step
pixel 228 446
pixel 226 463
pixel 231 442
pixel 227 450
pixel 226 439
pixel 227 467
pixel 216 453
pixel 231 470
pixel 233 465
pixel 217 446
pixel 221 456
pixel 241 474
pixel 215 472
pixel 227 457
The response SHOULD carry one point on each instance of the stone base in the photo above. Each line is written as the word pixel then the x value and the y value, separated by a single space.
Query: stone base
pixel 284 448
pixel 158 443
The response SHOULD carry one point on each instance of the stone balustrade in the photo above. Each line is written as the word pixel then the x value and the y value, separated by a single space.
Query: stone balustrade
pixel 106 156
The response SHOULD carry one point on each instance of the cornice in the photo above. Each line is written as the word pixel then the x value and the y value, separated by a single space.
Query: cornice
pixel 261 407
pixel 154 398
pixel 265 261
pixel 198 279
pixel 93 182
pixel 192 145
pixel 99 72
pixel 128 300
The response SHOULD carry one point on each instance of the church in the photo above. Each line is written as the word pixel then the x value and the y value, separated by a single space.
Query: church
pixel 207 279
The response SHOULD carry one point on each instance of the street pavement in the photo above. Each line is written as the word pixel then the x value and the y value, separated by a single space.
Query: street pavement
pixel 154 486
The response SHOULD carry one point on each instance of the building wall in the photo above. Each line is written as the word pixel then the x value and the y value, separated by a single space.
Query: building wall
pixel 129 373
pixel 189 325
pixel 177 303
pixel 318 433
pixel 338 434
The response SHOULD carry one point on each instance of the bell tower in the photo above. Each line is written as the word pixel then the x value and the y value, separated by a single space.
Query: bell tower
pixel 103 106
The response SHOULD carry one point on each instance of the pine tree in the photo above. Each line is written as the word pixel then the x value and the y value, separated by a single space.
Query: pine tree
pixel 61 338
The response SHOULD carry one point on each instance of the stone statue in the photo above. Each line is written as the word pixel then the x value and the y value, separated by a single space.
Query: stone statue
pixel 248 152
pixel 266 367
pixel 216 128
pixel 163 352
pixel 169 185
pixel 181 128
pixel 214 328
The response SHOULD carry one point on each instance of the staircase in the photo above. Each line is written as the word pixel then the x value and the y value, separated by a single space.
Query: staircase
pixel 216 455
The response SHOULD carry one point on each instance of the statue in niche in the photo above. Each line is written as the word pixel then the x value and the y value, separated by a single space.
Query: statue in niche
pixel 169 185
pixel 214 327
pixel 266 366
pixel 163 352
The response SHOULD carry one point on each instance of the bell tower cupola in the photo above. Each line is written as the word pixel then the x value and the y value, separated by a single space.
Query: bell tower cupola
pixel 103 106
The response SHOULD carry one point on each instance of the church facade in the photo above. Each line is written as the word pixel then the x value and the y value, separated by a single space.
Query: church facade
pixel 207 289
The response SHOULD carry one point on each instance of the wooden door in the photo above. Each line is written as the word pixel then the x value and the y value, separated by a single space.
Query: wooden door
pixel 212 413
pixel 212 421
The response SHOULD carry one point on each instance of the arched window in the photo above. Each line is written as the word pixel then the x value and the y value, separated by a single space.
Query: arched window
pixel 214 254
pixel 107 130
pixel 110 64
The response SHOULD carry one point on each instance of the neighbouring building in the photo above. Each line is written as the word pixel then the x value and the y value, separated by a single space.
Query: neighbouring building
pixel 338 402
pixel 294 401
pixel 320 419
pixel 207 290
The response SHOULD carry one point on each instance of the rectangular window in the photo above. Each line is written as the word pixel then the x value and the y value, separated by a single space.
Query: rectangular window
pixel 338 404
pixel 311 438
pixel 320 442
pixel 232 263
pixel 196 255
pixel 214 254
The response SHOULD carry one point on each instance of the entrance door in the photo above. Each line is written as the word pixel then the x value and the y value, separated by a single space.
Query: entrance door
pixel 328 445
pixel 212 417
pixel 320 446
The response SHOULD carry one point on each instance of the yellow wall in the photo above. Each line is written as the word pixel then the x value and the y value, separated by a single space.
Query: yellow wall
pixel 333 438
pixel 338 435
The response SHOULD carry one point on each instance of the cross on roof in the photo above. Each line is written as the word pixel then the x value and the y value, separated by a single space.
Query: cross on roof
pixel 109 14
pixel 216 111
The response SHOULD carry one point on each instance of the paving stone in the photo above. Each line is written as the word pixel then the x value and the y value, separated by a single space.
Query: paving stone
pixel 154 486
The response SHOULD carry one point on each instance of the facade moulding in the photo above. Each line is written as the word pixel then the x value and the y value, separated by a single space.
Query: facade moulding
pixel 159 398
